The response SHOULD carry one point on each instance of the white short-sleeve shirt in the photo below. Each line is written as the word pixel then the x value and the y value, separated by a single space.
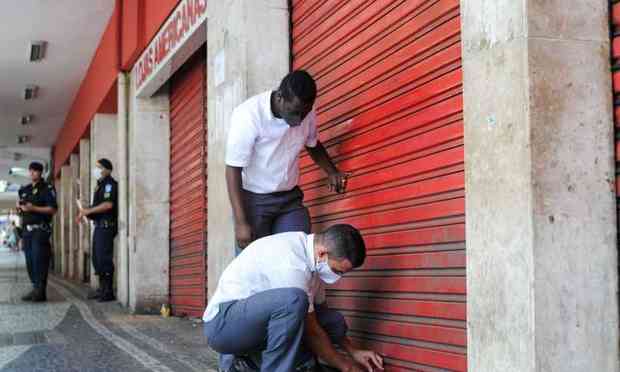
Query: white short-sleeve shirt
pixel 266 147
pixel 278 261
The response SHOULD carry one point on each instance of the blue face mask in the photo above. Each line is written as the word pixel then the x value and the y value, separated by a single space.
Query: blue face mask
pixel 97 173
pixel 326 273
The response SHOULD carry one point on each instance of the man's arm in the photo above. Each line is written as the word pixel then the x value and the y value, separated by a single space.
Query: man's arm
pixel 337 179
pixel 50 200
pixel 243 230
pixel 110 197
pixel 317 339
pixel 101 208
pixel 42 210
pixel 322 158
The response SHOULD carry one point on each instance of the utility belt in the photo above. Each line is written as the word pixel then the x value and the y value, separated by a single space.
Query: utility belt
pixel 105 224
pixel 42 226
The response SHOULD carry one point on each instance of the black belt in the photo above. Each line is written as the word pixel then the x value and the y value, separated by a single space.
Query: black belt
pixel 275 193
pixel 41 226
pixel 105 224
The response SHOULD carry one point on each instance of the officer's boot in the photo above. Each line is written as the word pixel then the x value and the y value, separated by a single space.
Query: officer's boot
pixel 44 290
pixel 108 291
pixel 28 296
pixel 39 294
pixel 97 294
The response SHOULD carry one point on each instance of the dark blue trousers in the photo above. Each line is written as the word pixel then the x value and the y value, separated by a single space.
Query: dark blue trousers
pixel 37 249
pixel 103 250
pixel 276 212
pixel 270 323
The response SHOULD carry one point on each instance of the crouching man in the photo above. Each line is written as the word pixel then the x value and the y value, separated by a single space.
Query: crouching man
pixel 271 300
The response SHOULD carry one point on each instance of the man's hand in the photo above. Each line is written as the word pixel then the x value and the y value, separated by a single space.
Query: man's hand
pixel 369 359
pixel 338 182
pixel 351 367
pixel 82 213
pixel 79 217
pixel 243 234
pixel 28 207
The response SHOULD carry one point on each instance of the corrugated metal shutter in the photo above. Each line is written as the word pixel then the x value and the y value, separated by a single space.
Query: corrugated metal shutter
pixel 390 112
pixel 615 63
pixel 188 187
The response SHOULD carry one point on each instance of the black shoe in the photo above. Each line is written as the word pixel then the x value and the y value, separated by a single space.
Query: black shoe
pixel 310 365
pixel 323 368
pixel 244 364
pixel 96 294
pixel 39 295
pixel 106 297
pixel 28 297
pixel 107 291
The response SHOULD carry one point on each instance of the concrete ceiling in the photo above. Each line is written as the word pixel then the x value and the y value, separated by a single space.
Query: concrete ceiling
pixel 72 30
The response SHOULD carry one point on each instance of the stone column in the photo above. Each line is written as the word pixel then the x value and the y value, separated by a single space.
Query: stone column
pixel 123 182
pixel 85 197
pixel 248 48
pixel 149 204
pixel 74 163
pixel 541 225
pixel 103 144
pixel 65 219
pixel 58 228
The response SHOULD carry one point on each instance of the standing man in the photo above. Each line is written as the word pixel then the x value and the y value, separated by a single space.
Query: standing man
pixel 104 213
pixel 37 204
pixel 267 134
pixel 270 300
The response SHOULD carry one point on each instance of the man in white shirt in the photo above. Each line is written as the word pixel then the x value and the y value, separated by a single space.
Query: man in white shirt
pixel 266 136
pixel 271 299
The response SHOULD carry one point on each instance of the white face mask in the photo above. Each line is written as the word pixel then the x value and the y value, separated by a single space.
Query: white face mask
pixel 326 273
pixel 97 173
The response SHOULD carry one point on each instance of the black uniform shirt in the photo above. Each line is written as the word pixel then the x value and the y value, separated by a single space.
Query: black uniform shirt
pixel 40 195
pixel 106 191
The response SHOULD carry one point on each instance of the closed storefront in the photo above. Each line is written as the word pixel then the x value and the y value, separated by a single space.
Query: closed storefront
pixel 390 113
pixel 188 187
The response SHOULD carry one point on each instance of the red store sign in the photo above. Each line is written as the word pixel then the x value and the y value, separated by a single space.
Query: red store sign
pixel 184 21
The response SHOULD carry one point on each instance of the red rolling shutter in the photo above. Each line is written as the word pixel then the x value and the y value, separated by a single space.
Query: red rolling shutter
pixel 390 111
pixel 615 63
pixel 188 187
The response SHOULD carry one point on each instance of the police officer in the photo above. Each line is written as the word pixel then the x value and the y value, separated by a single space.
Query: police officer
pixel 37 204
pixel 103 213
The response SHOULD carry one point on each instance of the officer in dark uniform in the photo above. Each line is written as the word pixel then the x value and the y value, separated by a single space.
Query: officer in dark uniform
pixel 104 214
pixel 37 204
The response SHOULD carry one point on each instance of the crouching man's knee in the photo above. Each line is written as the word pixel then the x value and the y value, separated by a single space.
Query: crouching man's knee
pixel 295 303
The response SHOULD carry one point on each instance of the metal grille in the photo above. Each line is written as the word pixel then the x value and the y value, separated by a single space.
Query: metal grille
pixel 615 63
pixel 390 111
pixel 188 188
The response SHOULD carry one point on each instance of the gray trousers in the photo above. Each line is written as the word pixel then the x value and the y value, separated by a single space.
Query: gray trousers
pixel 272 323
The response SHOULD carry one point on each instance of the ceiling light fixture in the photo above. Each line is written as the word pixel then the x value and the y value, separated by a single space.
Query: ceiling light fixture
pixel 31 92
pixel 23 139
pixel 37 50
pixel 18 171
pixel 26 119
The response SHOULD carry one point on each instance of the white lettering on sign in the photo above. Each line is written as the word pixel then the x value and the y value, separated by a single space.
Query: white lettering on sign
pixel 185 19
